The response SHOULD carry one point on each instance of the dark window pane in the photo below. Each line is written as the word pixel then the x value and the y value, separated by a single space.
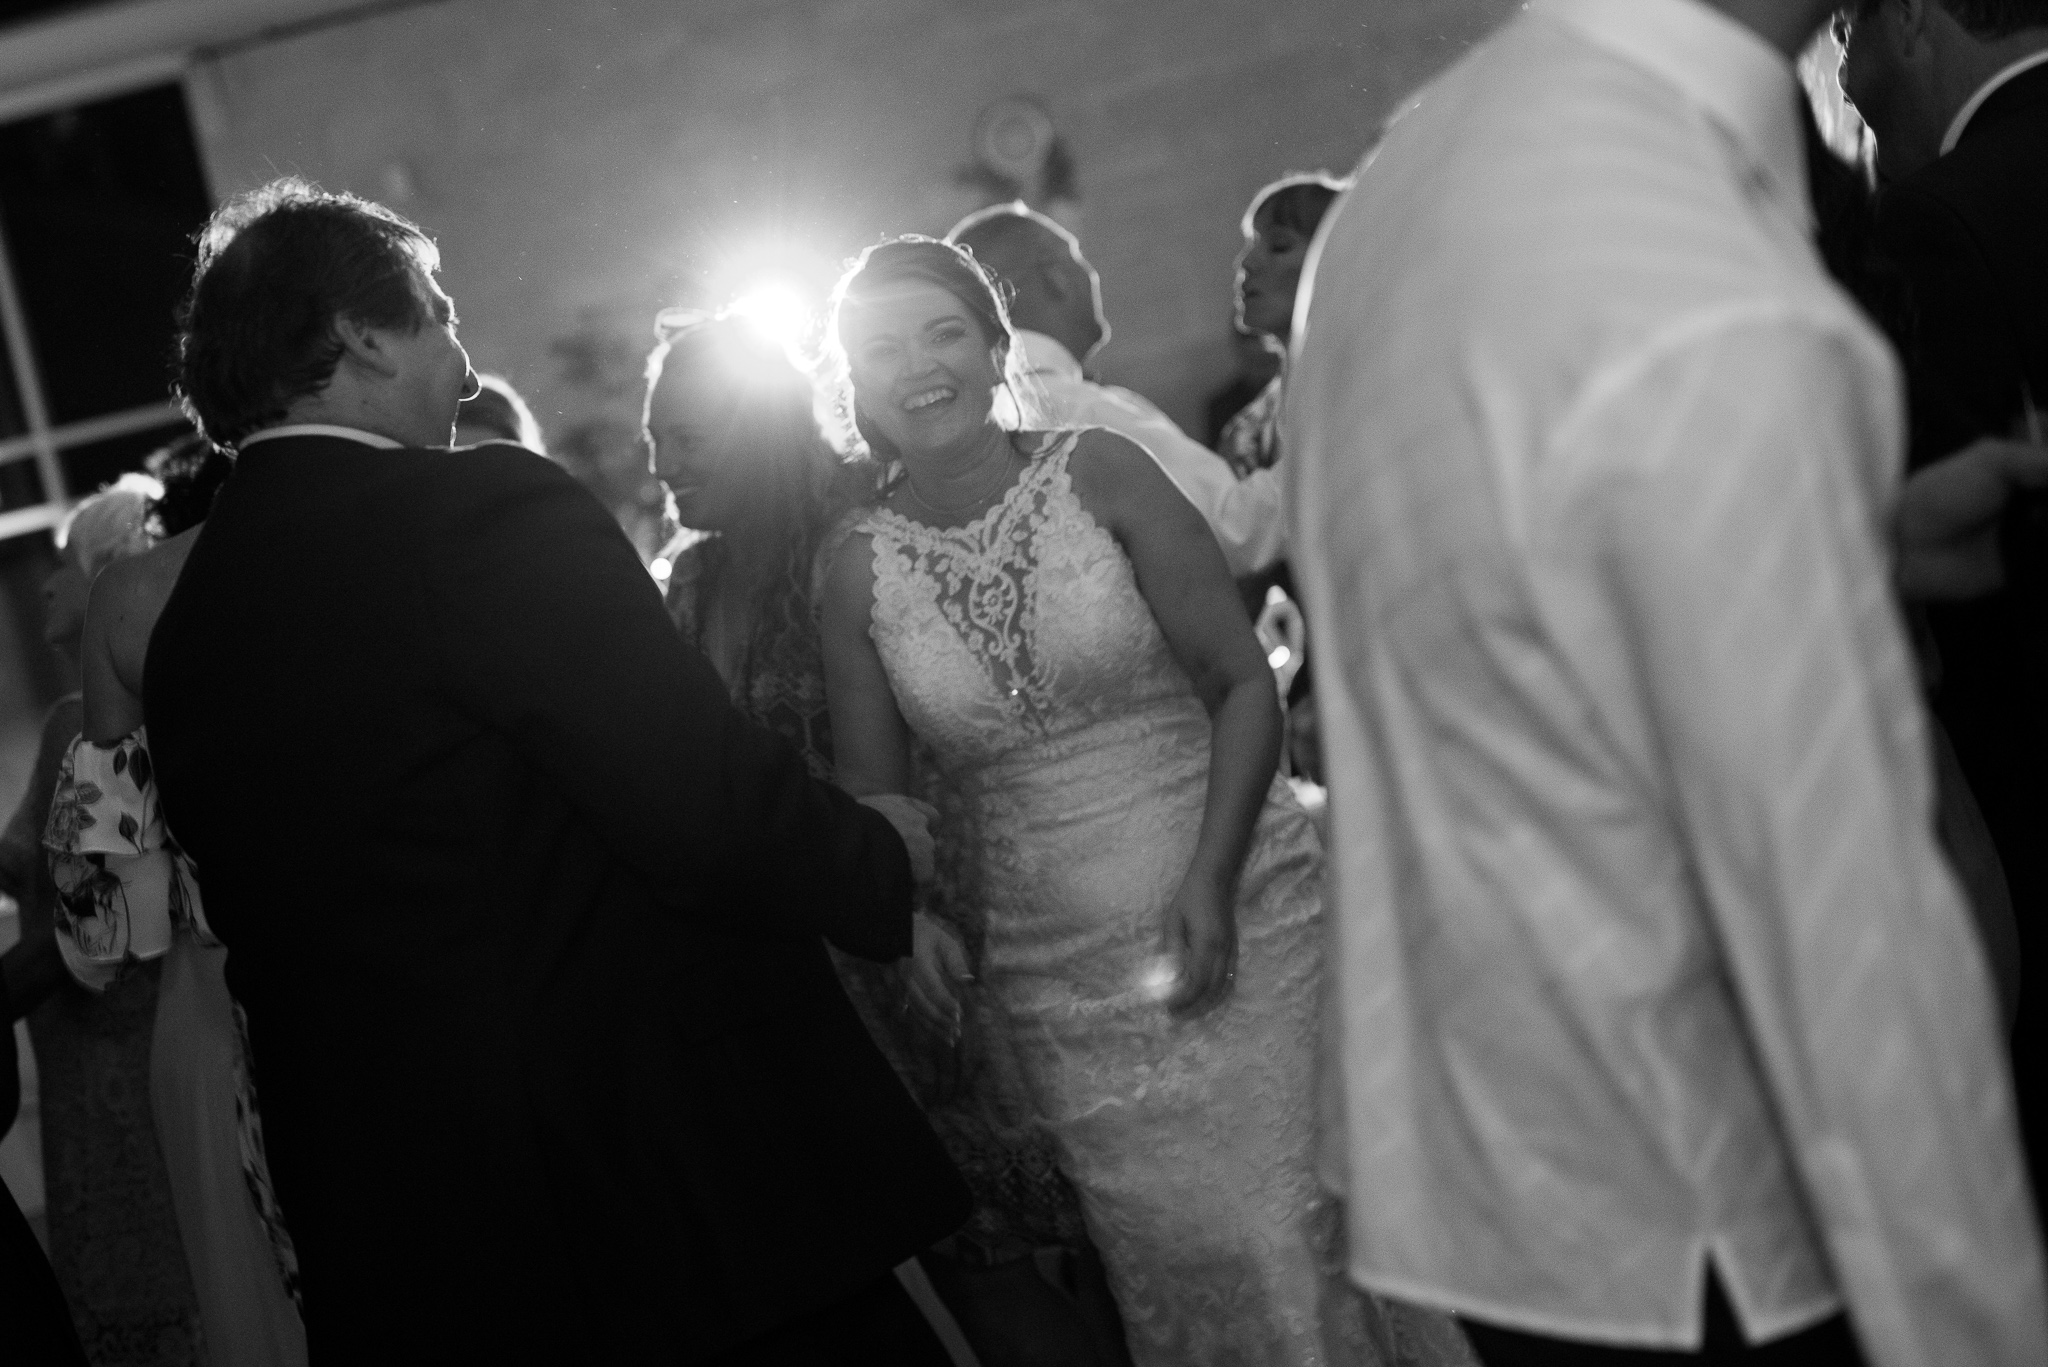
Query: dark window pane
pixel 20 484
pixel 86 468
pixel 12 423
pixel 21 11
pixel 99 205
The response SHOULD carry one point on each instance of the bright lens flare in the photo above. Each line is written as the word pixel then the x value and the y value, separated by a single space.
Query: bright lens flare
pixel 1157 978
pixel 776 311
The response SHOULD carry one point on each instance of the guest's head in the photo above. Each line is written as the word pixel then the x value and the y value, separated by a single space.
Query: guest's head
pixel 1283 217
pixel 100 530
pixel 730 425
pixel 1053 289
pixel 309 306
pixel 1910 66
pixel 497 413
pixel 191 470
pixel 920 338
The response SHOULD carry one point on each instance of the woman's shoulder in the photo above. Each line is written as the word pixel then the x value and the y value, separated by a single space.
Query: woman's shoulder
pixel 143 581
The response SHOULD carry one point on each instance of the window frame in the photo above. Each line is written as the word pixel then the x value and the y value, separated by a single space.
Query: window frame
pixel 41 441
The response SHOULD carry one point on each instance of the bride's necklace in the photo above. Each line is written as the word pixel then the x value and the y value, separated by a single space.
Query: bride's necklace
pixel 1002 477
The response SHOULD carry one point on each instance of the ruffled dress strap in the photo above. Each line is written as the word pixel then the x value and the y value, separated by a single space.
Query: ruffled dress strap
pixel 123 885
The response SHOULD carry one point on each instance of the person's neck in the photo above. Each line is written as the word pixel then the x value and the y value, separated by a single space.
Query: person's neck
pixel 1786 27
pixel 335 406
pixel 959 481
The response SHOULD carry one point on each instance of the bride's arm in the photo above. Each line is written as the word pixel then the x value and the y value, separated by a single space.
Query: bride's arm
pixel 1188 586
pixel 870 742
pixel 871 755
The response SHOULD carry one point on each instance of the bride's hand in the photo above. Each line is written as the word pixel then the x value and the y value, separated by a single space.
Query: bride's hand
pixel 1200 934
pixel 935 975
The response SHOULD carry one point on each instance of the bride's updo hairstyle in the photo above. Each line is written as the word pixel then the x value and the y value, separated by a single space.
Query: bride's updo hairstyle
pixel 900 260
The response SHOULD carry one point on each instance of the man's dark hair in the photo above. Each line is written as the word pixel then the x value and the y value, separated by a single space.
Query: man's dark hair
pixel 276 268
pixel 191 469
pixel 1994 19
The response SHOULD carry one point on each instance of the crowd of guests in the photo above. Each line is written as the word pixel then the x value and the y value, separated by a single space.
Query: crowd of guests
pixel 899 890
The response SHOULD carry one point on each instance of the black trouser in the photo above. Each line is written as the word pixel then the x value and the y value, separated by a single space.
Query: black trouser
pixel 878 1324
pixel 1827 1344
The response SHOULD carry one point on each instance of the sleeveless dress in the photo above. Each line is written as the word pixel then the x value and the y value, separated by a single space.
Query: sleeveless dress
pixel 1021 651
pixel 128 906
pixel 969 1094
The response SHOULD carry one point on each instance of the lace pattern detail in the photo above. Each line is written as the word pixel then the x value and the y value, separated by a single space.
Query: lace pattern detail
pixel 1081 796
pixel 978 573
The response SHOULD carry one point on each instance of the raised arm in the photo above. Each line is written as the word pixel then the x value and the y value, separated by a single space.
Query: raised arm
pixel 1184 579
pixel 550 630
pixel 1727 510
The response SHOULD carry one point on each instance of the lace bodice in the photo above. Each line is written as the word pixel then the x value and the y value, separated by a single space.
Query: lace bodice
pixel 1020 629
pixel 1021 651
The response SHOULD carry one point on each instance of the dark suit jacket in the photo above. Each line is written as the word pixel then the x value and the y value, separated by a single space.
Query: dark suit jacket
pixel 1970 234
pixel 526 920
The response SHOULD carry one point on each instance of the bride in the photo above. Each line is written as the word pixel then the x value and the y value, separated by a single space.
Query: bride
pixel 1055 621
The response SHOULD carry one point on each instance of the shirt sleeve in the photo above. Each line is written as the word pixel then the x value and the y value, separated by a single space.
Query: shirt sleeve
pixel 554 634
pixel 1247 516
pixel 1725 596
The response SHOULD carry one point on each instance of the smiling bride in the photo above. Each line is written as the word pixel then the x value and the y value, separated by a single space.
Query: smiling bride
pixel 1052 617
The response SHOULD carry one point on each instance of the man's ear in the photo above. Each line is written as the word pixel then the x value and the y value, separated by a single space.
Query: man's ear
pixel 1908 21
pixel 365 346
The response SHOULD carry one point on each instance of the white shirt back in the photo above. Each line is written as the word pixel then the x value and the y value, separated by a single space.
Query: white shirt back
pixel 1644 951
pixel 1245 514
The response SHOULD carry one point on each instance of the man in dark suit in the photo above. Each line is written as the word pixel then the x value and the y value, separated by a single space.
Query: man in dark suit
pixel 525 919
pixel 1956 92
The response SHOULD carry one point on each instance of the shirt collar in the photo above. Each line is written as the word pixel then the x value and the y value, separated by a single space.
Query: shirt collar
pixel 1044 356
pixel 1739 81
pixel 1961 123
pixel 319 429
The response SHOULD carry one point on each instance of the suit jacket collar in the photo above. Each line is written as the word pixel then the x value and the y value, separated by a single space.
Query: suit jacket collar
pixel 2021 86
pixel 319 429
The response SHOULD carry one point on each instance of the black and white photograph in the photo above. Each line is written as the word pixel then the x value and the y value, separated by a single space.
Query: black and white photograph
pixel 1023 683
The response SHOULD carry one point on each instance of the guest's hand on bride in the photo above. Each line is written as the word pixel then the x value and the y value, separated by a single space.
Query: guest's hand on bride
pixel 1200 934
pixel 936 976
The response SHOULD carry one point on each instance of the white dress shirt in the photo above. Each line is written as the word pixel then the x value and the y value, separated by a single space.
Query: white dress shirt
pixel 1246 515
pixel 1644 953
pixel 1960 124
pixel 319 429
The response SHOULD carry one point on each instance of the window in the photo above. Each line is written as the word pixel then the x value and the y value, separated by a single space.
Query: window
pixel 98 204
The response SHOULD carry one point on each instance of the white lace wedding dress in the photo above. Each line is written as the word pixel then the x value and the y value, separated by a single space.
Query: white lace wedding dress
pixel 1021 650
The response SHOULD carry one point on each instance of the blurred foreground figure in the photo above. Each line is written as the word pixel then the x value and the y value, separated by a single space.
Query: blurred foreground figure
pixel 1957 93
pixel 1661 1022
pixel 524 917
